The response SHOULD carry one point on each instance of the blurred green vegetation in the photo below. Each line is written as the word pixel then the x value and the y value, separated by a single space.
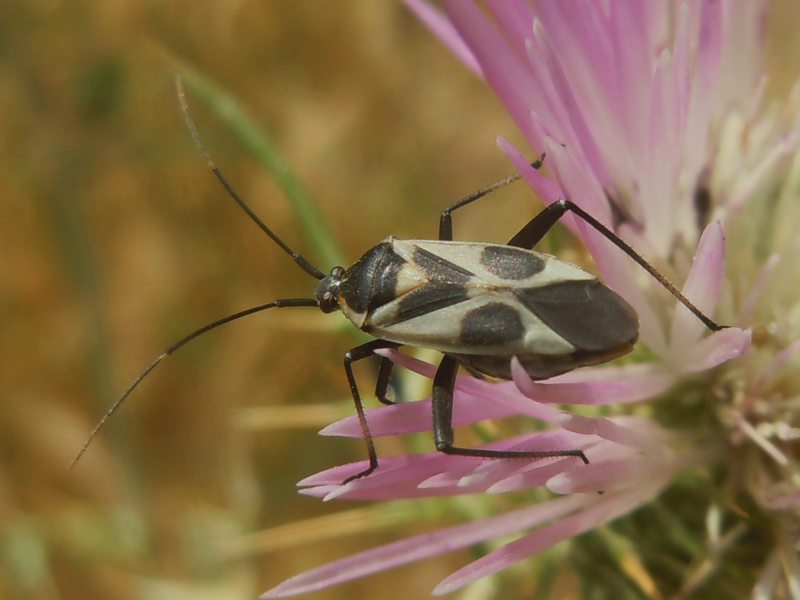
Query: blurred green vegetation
pixel 117 241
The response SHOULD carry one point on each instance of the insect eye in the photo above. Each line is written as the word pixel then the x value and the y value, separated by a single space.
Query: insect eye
pixel 327 292
pixel 328 302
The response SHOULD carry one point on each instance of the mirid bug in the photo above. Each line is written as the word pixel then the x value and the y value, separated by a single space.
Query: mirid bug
pixel 479 304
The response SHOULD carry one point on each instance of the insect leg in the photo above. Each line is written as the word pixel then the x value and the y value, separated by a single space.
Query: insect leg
pixel 382 384
pixel 354 355
pixel 443 385
pixel 535 230
pixel 446 220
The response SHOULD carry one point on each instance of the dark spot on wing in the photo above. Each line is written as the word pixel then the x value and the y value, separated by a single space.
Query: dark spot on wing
pixel 491 325
pixel 429 298
pixel 372 281
pixel 587 314
pixel 507 262
pixel 439 269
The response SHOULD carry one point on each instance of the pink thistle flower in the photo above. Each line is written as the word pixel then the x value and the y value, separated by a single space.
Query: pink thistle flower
pixel 648 115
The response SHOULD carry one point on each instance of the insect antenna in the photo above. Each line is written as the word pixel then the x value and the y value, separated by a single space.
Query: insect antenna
pixel 284 303
pixel 301 261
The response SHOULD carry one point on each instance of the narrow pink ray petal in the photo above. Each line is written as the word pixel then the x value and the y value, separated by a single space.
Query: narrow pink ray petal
pixel 635 41
pixel 484 479
pixel 528 479
pixel 435 473
pixel 663 159
pixel 388 465
pixel 682 73
pixel 716 349
pixel 601 511
pixel 420 367
pixel 548 191
pixel 515 19
pixel 394 479
pixel 608 476
pixel 704 86
pixel 501 392
pixel 423 546
pixel 505 72
pixel 648 383
pixel 702 288
pixel 741 30
pixel 584 51
pixel 620 431
pixel 415 417
pixel 756 293
pixel 441 27
pixel 781 151
pixel 547 115
pixel 548 441
pixel 582 142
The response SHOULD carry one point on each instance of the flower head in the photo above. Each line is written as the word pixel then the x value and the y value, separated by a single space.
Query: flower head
pixel 651 119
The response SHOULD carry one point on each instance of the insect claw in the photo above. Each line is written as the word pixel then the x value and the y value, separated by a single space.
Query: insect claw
pixel 364 473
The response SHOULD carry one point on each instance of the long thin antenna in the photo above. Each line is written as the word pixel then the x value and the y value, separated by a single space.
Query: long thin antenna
pixel 301 261
pixel 285 303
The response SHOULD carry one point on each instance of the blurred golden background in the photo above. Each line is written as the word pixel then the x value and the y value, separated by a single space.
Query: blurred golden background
pixel 117 241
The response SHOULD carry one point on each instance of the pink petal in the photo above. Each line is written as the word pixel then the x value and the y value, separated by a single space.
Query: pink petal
pixel 396 477
pixel 663 158
pixel 702 288
pixel 530 478
pixel 425 545
pixel 503 69
pixel 515 20
pixel 716 349
pixel 607 508
pixel 571 117
pixel 602 477
pixel 415 417
pixel 682 53
pixel 504 393
pixel 705 95
pixel 636 32
pixel 438 474
pixel 548 191
pixel 485 473
pixel 617 385
pixel 443 29
pixel 756 293
pixel 620 430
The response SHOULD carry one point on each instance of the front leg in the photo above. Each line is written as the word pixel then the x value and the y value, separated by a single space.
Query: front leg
pixel 354 355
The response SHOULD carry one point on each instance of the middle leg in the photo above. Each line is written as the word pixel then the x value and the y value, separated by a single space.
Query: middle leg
pixel 443 385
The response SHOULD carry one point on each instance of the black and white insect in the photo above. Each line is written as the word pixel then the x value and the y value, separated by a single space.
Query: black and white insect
pixel 478 304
